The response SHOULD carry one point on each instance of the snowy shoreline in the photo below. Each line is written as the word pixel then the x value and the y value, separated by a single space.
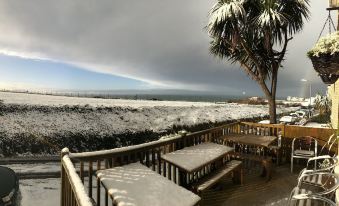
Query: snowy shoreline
pixel 36 124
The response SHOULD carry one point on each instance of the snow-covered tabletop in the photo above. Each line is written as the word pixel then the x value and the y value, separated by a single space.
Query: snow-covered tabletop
pixel 193 158
pixel 135 184
pixel 251 139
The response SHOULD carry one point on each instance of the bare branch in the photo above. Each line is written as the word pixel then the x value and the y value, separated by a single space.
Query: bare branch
pixel 283 51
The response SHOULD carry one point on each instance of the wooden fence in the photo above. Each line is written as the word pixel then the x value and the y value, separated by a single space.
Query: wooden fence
pixel 149 154
pixel 78 169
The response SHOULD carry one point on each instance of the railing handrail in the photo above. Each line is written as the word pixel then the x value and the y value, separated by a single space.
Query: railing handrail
pixel 263 125
pixel 120 150
pixel 140 147
pixel 77 186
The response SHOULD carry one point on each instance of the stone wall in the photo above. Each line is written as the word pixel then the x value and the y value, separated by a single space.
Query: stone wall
pixel 333 91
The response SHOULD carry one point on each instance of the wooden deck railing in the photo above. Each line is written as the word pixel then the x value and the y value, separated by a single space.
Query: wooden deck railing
pixel 78 169
pixel 149 154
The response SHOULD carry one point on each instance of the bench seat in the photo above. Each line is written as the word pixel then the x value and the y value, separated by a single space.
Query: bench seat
pixel 210 180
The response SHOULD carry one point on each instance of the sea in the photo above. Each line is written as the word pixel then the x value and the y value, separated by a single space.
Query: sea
pixel 158 97
pixel 166 95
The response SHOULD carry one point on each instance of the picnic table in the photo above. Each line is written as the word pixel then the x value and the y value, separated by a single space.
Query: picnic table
pixel 252 147
pixel 135 184
pixel 251 139
pixel 192 159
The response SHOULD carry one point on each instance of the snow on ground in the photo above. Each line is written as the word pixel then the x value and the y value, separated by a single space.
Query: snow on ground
pixel 57 120
pixel 35 168
pixel 316 125
pixel 41 192
pixel 124 115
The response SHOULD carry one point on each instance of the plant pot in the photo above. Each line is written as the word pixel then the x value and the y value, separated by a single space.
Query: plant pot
pixel 327 66
pixel 329 79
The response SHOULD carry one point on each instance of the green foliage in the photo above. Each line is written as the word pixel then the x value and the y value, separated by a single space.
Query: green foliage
pixel 323 104
pixel 321 118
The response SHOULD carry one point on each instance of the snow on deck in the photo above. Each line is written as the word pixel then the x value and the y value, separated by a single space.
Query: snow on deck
pixel 135 184
pixel 194 157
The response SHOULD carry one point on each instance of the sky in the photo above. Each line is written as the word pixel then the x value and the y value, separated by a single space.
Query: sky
pixel 134 45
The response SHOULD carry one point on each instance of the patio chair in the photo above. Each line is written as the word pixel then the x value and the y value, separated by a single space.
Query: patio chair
pixel 300 200
pixel 303 148
pixel 330 143
pixel 322 163
pixel 323 191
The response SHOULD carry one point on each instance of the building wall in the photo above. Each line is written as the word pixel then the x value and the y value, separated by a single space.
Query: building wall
pixel 333 91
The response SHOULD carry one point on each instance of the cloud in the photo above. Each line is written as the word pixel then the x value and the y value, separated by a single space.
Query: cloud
pixel 162 43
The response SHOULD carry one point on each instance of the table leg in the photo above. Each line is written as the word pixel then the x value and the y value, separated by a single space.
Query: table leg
pixel 182 179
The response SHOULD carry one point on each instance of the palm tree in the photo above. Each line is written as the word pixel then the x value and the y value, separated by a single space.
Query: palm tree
pixel 323 104
pixel 255 34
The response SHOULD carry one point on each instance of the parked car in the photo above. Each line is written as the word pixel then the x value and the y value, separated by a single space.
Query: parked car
pixel 266 121
pixel 301 114
pixel 288 120
pixel 9 186
pixel 296 116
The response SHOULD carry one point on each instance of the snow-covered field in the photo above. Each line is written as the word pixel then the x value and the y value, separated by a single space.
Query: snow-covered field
pixel 48 123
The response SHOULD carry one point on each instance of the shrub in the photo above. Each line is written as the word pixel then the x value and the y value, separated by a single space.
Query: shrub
pixel 321 118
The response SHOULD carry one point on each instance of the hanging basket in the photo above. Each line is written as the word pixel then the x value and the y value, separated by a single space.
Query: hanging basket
pixel 329 79
pixel 327 66
pixel 325 54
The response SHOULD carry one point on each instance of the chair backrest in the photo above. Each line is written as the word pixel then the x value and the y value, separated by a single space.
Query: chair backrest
pixel 312 199
pixel 305 143
pixel 328 145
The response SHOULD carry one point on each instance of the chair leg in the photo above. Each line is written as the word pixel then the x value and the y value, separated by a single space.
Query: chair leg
pixel 315 164
pixel 291 164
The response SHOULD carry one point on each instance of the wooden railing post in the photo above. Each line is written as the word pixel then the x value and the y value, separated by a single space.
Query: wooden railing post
pixel 238 128
pixel 64 152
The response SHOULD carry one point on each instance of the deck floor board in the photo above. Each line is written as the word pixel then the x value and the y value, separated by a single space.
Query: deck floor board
pixel 255 190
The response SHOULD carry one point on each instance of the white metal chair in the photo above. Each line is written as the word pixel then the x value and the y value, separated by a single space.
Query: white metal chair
pixel 303 148
pixel 300 200
pixel 325 162
pixel 304 194
pixel 318 175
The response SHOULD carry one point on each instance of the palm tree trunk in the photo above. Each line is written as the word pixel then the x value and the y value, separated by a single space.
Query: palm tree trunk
pixel 272 110
pixel 270 96
pixel 272 103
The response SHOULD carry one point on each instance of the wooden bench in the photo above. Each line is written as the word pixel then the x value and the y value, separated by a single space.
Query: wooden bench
pixel 233 167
